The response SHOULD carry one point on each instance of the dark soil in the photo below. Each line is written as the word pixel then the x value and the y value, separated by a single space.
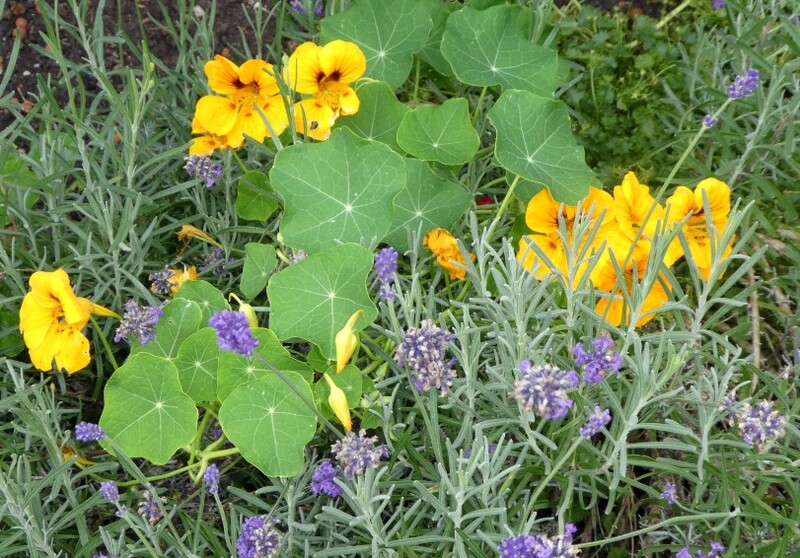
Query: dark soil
pixel 31 63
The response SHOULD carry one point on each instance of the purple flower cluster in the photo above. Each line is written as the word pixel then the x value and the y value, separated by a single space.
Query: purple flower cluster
pixel 300 7
pixel 89 432
pixel 744 85
pixel 160 281
pixel 202 167
pixel 760 425
pixel 357 453
pixel 233 332
pixel 215 261
pixel 542 390
pixel 598 362
pixel 149 508
pixel 539 546
pixel 258 538
pixel 709 121
pixel 385 268
pixel 718 4
pixel 716 552
pixel 296 256
pixel 322 481
pixel 139 321
pixel 109 491
pixel 597 421
pixel 669 495
pixel 423 351
pixel 211 478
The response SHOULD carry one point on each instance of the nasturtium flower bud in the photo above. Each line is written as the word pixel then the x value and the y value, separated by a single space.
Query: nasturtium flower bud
pixel 338 402
pixel 246 309
pixel 346 342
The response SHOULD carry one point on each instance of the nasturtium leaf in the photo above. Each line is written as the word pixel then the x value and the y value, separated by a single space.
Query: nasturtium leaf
pixel 146 412
pixel 209 298
pixel 440 133
pixel 535 141
pixel 388 32
pixel 236 369
pixel 428 199
pixel 349 380
pixel 432 51
pixel 314 298
pixel 197 365
pixel 259 261
pixel 255 199
pixel 337 191
pixel 379 115
pixel 488 48
pixel 180 319
pixel 525 189
pixel 316 360
pixel 270 423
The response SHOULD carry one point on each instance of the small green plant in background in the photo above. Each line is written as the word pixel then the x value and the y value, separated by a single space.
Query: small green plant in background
pixel 415 306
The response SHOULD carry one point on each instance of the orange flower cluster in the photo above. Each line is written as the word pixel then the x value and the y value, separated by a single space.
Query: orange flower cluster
pixel 249 100
pixel 444 246
pixel 626 224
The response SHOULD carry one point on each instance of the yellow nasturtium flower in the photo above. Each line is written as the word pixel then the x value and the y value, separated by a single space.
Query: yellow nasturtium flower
pixel 325 74
pixel 607 278
pixel 346 342
pixel 444 246
pixel 52 319
pixel 189 231
pixel 685 202
pixel 338 402
pixel 249 90
pixel 542 216
pixel 179 277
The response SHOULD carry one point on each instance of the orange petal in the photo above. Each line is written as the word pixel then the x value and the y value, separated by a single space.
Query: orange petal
pixel 313 118
pixel 349 102
pixel 261 75
pixel 73 353
pixel 216 114
pixel 342 61
pixel 303 71
pixel 223 75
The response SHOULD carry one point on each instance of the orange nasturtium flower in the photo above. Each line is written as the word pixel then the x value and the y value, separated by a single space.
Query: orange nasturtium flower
pixel 685 202
pixel 249 90
pixel 52 319
pixel 325 73
pixel 444 246
pixel 542 216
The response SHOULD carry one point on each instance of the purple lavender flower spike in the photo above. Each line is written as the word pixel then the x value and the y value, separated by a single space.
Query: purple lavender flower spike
pixel 539 546
pixel 323 480
pixel 215 261
pixel 597 421
pixel 385 268
pixel 258 538
pixel 718 4
pixel 423 351
pixel 744 85
pixel 669 494
pixel 149 509
pixel 357 453
pixel 542 390
pixel 160 281
pixel 89 432
pixel 233 332
pixel 760 425
pixel 139 321
pixel 203 168
pixel 109 491
pixel 211 478
pixel 709 121
pixel 598 362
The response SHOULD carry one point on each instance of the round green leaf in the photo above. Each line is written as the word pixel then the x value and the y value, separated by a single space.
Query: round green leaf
pixel 197 365
pixel 259 261
pixel 337 191
pixel 255 200
pixel 313 299
pixel 389 33
pixel 209 298
pixel 349 380
pixel 440 133
pixel 488 48
pixel 432 51
pixel 427 199
pixel 270 423
pixel 146 412
pixel 236 369
pixel 379 115
pixel 535 141
pixel 180 319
